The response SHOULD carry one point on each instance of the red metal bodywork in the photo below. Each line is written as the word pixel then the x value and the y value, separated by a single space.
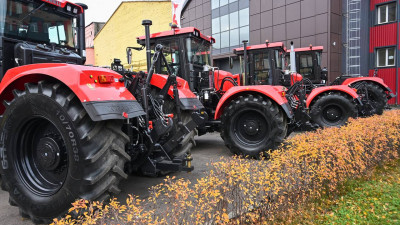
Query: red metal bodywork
pixel 295 77
pixel 272 92
pixel 219 75
pixel 306 49
pixel 62 4
pixel 80 79
pixel 178 31
pixel 377 80
pixel 337 88
pixel 159 81
pixel 262 46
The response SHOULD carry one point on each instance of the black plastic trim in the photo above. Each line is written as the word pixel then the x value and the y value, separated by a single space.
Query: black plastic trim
pixel 109 110
pixel 288 110
pixel 190 104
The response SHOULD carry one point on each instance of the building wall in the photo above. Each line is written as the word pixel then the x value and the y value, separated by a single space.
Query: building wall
pixel 125 25
pixel 198 14
pixel 305 22
pixel 91 31
pixel 381 36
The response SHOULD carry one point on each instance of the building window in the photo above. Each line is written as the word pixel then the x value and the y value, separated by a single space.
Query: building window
pixel 387 13
pixel 230 24
pixel 385 57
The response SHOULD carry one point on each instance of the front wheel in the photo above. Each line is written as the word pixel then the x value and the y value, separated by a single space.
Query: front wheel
pixel 252 125
pixel 332 110
pixel 52 153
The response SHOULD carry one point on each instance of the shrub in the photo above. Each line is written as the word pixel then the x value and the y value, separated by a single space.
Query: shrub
pixel 238 190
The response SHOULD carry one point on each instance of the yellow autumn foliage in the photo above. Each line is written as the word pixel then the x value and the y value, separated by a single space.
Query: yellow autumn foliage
pixel 246 191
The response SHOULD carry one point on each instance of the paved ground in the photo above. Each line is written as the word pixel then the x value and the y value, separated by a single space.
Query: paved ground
pixel 209 148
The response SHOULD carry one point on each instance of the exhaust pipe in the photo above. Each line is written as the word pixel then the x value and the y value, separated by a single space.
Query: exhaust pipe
pixel 81 32
pixel 246 73
pixel 147 24
pixel 292 59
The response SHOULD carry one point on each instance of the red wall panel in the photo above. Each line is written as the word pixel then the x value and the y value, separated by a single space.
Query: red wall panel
pixel 389 77
pixel 374 2
pixel 382 35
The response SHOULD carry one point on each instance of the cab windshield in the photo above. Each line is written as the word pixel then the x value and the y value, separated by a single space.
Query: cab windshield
pixel 36 22
pixel 198 51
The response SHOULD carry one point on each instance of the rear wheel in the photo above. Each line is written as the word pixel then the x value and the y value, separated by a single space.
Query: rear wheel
pixel 252 125
pixel 373 97
pixel 53 153
pixel 332 110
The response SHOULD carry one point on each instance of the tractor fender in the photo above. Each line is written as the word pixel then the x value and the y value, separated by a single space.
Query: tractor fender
pixel 187 99
pixel 275 93
pixel 376 80
pixel 337 88
pixel 101 101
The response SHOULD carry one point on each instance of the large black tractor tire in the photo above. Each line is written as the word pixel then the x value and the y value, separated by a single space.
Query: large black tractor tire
pixel 377 99
pixel 52 153
pixel 251 125
pixel 187 142
pixel 332 110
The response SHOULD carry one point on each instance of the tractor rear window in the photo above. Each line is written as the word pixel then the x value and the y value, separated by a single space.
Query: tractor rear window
pixel 261 68
pixel 36 22
pixel 306 65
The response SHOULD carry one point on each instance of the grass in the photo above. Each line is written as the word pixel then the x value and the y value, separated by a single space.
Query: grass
pixel 375 200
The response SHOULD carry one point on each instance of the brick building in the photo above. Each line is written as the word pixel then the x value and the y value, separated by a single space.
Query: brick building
pixel 91 31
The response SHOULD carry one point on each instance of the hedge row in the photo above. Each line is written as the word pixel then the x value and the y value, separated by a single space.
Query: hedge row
pixel 238 190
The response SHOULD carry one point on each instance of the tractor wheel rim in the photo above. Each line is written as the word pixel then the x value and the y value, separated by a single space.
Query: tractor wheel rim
pixel 41 157
pixel 333 113
pixel 251 127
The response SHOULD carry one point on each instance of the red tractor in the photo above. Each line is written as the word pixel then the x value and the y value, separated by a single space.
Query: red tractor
pixel 373 90
pixel 70 131
pixel 324 106
pixel 251 115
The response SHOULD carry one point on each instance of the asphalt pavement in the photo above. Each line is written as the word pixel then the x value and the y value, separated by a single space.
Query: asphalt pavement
pixel 209 148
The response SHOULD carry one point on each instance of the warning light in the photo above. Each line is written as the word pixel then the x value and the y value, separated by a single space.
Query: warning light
pixel 125 115
pixel 106 79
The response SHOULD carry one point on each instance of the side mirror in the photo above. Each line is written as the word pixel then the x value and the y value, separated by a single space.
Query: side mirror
pixel 129 55
pixel 230 62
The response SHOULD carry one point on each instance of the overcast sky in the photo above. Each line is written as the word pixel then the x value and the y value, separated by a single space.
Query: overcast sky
pixel 99 10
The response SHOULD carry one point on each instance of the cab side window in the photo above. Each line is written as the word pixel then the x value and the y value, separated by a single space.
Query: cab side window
pixel 306 66
pixel 261 68
pixel 172 53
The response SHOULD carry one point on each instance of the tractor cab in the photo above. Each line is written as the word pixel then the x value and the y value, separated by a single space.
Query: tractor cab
pixel 308 63
pixel 265 63
pixel 41 31
pixel 188 53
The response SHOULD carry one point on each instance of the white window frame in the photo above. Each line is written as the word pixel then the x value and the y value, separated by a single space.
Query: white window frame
pixel 387 14
pixel 386 56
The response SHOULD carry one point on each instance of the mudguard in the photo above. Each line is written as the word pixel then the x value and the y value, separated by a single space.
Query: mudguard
pixel 376 80
pixel 337 88
pixel 187 98
pixel 101 101
pixel 275 93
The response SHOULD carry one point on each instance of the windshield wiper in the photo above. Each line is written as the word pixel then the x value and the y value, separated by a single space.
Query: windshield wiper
pixel 32 12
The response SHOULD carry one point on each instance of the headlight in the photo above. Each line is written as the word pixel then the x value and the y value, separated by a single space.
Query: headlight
pixel 75 10
pixel 69 8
